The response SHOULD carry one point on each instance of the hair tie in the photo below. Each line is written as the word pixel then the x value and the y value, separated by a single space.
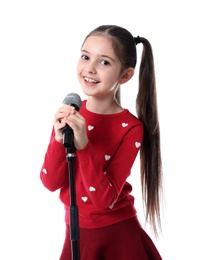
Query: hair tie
pixel 137 39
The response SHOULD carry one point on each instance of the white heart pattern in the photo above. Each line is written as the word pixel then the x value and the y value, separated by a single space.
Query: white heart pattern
pixel 107 157
pixel 137 144
pixel 84 199
pixel 92 188
pixel 90 127
pixel 124 124
pixel 44 171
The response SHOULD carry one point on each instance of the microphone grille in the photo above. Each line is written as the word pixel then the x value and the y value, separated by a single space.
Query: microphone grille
pixel 73 99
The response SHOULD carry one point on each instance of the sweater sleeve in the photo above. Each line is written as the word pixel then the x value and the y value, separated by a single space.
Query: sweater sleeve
pixel 53 172
pixel 104 187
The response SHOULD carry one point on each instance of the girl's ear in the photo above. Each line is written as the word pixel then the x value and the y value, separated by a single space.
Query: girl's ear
pixel 126 76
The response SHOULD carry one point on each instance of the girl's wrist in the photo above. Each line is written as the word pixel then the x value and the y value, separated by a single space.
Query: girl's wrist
pixel 58 138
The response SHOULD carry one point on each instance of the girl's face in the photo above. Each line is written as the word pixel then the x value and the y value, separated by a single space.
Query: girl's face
pixel 98 68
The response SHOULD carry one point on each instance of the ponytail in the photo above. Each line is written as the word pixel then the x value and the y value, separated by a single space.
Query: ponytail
pixel 150 154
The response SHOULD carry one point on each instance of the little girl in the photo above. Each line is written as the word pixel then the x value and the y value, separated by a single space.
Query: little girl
pixel 108 138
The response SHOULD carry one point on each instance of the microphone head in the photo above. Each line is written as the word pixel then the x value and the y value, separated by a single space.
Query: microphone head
pixel 74 100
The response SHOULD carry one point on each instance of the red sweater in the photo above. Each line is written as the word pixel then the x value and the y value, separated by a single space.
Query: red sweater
pixel 101 169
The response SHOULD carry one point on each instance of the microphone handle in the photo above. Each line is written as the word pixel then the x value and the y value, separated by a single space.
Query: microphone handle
pixel 68 138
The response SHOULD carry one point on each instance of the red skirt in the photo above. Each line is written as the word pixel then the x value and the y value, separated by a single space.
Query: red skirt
pixel 125 240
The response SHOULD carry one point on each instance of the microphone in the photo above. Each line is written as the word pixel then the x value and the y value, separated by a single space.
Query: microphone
pixel 72 99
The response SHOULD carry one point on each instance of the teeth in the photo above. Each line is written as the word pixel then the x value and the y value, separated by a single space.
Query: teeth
pixel 90 80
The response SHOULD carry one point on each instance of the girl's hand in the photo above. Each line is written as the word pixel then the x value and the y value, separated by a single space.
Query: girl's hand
pixel 68 115
pixel 59 121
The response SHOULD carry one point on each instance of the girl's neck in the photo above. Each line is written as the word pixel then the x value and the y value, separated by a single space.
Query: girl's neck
pixel 103 106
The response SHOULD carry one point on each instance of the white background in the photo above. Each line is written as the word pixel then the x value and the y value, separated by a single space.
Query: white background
pixel 39 47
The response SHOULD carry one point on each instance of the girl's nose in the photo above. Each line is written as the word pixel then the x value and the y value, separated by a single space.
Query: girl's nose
pixel 91 67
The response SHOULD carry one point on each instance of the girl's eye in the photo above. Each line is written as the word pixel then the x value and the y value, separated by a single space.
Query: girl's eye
pixel 104 62
pixel 84 57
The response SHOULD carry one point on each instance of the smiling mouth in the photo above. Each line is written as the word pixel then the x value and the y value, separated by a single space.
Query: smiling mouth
pixel 89 80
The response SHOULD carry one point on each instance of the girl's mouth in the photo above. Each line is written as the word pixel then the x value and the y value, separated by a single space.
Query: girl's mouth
pixel 90 80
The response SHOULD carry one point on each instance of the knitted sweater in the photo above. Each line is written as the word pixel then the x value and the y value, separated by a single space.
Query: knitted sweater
pixel 101 169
